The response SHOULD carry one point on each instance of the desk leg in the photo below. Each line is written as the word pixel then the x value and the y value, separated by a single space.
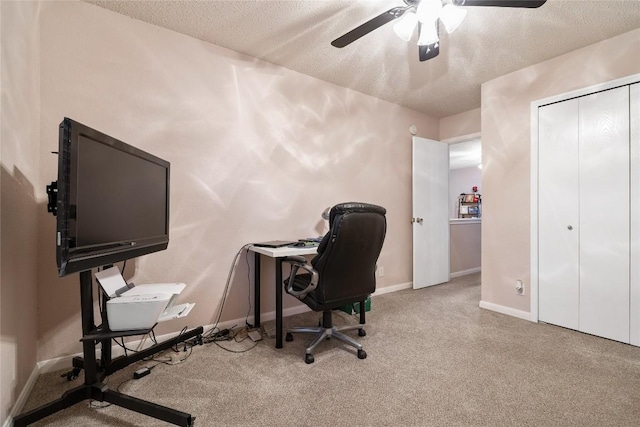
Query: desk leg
pixel 278 302
pixel 256 289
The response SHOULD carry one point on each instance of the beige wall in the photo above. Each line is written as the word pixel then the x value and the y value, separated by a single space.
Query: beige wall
pixel 19 155
pixel 257 153
pixel 467 123
pixel 465 245
pixel 506 145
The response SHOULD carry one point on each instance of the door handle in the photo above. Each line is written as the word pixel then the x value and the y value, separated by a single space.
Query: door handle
pixel 570 227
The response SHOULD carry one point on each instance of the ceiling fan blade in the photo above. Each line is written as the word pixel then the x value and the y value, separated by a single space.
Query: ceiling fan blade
pixel 428 52
pixel 501 3
pixel 368 26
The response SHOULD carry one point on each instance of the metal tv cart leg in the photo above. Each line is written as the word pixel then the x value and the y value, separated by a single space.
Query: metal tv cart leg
pixel 93 387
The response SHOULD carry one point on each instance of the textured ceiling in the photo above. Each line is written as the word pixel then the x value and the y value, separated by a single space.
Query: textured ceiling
pixel 297 34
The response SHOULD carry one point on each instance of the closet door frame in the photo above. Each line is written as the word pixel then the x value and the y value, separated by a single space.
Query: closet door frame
pixel 635 209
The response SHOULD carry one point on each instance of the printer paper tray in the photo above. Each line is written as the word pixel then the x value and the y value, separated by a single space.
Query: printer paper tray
pixel 176 312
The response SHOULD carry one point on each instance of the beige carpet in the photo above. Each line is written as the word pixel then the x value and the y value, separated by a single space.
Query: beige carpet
pixel 434 359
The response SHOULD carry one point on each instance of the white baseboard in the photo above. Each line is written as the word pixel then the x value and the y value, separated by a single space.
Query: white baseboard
pixel 392 288
pixel 464 272
pixel 52 365
pixel 58 363
pixel 271 315
pixel 22 398
pixel 301 308
pixel 65 362
pixel 506 310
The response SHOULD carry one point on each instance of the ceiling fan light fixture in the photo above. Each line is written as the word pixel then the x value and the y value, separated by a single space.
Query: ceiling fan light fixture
pixel 428 34
pixel 405 26
pixel 429 10
pixel 452 16
pixel 428 14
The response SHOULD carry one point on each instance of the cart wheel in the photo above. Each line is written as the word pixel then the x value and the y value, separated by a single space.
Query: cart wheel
pixel 73 374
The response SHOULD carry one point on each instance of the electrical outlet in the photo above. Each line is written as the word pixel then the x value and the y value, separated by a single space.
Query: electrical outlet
pixel 380 271
pixel 519 287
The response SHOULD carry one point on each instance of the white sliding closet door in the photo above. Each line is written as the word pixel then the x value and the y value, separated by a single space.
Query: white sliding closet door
pixel 558 216
pixel 585 214
pixel 634 115
pixel 604 214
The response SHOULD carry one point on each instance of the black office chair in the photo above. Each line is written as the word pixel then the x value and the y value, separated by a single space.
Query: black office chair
pixel 343 272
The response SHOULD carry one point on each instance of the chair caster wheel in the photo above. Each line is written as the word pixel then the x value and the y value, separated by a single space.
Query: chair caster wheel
pixel 289 337
pixel 362 354
pixel 362 333
pixel 308 358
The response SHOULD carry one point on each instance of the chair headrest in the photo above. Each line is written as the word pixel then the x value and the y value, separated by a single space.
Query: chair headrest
pixel 350 207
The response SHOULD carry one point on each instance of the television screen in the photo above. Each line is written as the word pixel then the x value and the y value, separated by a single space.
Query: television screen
pixel 112 201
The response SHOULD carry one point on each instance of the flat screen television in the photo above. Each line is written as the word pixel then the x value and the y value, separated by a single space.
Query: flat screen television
pixel 112 200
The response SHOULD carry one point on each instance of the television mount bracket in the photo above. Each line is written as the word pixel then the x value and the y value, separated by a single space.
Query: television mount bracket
pixel 52 194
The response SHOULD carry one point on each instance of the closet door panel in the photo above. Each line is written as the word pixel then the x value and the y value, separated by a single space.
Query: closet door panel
pixel 604 214
pixel 634 115
pixel 558 287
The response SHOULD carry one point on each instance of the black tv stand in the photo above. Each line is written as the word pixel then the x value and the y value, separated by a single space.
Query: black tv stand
pixel 95 372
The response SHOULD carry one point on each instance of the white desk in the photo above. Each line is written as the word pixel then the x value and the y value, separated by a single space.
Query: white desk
pixel 284 251
pixel 278 254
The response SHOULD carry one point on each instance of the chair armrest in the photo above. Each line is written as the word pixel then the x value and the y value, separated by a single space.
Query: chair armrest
pixel 298 262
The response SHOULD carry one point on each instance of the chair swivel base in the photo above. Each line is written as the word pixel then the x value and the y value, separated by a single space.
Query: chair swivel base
pixel 326 333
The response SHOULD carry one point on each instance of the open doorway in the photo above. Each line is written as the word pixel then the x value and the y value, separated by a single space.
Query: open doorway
pixel 465 205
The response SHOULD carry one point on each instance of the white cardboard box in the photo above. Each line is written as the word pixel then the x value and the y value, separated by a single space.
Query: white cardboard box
pixel 142 306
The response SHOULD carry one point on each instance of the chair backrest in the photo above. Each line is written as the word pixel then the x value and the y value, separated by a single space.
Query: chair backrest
pixel 347 255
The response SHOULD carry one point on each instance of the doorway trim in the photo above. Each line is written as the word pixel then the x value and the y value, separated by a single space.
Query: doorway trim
pixel 453 220
pixel 534 165
pixel 463 138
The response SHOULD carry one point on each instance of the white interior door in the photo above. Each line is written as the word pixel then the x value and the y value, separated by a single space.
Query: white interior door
pixel 430 185
pixel 604 214
pixel 558 215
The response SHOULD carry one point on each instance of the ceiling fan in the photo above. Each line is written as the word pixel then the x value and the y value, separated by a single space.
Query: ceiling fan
pixel 426 15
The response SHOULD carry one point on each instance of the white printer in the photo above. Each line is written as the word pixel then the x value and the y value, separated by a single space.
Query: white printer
pixel 141 306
